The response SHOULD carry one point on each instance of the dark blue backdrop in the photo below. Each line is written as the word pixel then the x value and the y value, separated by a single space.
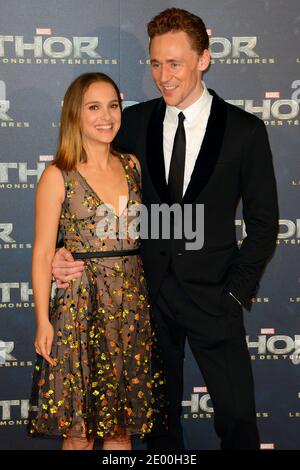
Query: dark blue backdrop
pixel 255 48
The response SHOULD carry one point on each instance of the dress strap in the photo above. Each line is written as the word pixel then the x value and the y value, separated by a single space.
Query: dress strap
pixel 134 172
pixel 67 176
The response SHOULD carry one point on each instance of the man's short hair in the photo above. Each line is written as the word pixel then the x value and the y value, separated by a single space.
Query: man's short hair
pixel 176 19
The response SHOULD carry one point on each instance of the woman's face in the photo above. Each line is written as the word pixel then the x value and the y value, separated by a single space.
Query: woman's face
pixel 100 114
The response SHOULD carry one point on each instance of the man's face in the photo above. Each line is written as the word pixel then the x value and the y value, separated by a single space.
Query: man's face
pixel 176 68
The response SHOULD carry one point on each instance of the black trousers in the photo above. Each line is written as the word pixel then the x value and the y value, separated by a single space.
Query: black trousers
pixel 220 350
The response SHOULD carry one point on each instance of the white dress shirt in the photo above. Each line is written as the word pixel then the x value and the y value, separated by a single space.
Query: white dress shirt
pixel 196 117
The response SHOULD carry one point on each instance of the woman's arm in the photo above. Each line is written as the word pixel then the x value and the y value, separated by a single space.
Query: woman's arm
pixel 49 198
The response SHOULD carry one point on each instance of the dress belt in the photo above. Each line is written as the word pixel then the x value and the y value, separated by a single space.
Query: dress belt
pixel 105 254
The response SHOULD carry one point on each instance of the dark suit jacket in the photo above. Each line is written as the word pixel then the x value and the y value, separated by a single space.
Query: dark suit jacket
pixel 234 162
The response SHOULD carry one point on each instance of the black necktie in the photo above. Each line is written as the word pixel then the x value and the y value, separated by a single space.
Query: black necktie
pixel 176 173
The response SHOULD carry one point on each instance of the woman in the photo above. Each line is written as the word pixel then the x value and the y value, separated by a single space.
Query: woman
pixel 94 377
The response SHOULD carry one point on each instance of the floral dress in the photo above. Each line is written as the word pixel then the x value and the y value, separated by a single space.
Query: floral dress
pixel 108 378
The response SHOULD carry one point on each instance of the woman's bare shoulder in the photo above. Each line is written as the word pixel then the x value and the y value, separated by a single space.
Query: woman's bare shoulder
pixel 53 179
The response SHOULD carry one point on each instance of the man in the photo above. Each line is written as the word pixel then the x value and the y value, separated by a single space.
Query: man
pixel 194 149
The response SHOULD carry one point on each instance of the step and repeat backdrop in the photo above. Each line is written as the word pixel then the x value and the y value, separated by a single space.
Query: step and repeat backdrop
pixel 255 48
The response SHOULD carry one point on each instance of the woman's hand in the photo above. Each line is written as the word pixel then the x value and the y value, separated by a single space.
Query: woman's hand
pixel 43 341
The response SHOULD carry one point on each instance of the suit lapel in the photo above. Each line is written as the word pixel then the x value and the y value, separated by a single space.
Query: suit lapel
pixel 210 149
pixel 207 157
pixel 155 152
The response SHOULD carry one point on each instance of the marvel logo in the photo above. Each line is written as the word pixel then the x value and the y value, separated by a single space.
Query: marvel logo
pixel 267 331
